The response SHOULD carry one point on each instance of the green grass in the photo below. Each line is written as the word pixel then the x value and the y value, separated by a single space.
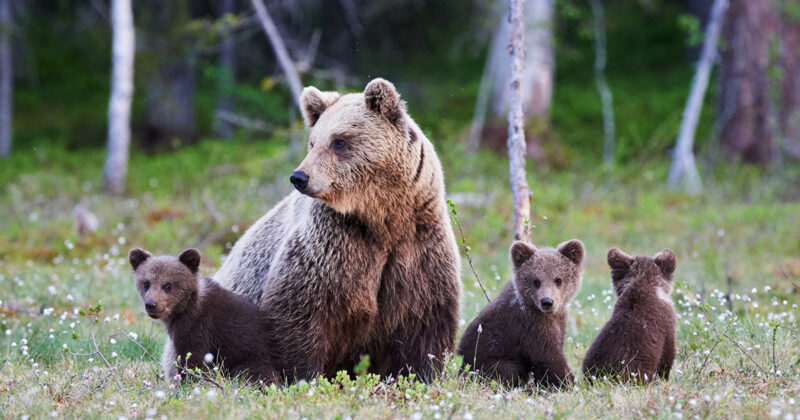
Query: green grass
pixel 206 195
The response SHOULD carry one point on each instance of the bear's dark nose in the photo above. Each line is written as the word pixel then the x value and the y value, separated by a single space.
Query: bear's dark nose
pixel 547 303
pixel 300 180
pixel 150 306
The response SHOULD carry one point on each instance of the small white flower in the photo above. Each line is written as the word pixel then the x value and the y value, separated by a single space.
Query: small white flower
pixel 160 394
pixel 208 358
pixel 211 394
pixel 480 328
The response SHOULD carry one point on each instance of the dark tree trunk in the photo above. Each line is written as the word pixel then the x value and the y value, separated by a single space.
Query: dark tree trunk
pixel 790 86
pixel 169 69
pixel 170 104
pixel 6 78
pixel 745 108
pixel 227 74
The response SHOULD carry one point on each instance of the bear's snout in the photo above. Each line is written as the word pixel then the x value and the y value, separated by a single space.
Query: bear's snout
pixel 547 304
pixel 300 180
pixel 151 308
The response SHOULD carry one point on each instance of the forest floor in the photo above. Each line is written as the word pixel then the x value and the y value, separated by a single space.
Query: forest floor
pixel 738 339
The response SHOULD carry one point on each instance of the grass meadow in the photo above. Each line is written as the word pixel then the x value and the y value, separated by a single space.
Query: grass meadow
pixel 62 355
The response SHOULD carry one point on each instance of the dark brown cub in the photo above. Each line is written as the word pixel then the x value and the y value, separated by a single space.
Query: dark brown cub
pixel 638 342
pixel 212 325
pixel 520 335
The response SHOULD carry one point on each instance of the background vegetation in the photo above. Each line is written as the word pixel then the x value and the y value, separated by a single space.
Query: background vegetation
pixel 738 244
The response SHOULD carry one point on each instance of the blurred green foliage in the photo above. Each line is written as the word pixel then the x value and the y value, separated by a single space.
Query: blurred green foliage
pixel 435 58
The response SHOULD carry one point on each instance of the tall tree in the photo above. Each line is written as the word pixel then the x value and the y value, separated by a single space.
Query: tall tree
pixel 227 76
pixel 683 164
pixel 169 69
pixel 6 78
pixel 119 105
pixel 600 80
pixel 537 76
pixel 789 87
pixel 282 54
pixel 516 123
pixel 759 103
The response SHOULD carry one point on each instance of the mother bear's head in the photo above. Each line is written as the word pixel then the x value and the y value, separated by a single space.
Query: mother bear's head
pixel 363 148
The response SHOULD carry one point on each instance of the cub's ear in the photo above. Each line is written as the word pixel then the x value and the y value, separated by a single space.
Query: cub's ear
pixel 665 260
pixel 619 262
pixel 573 250
pixel 521 252
pixel 191 259
pixel 382 98
pixel 314 103
pixel 138 256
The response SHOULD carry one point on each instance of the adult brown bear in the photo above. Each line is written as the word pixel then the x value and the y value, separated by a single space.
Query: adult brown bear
pixel 361 259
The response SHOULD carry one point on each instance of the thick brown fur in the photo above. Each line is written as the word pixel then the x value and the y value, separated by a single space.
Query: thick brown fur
pixel 520 338
pixel 638 342
pixel 364 261
pixel 201 318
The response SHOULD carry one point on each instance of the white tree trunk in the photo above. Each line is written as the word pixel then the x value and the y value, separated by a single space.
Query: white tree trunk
pixel 600 80
pixel 539 61
pixel 484 91
pixel 683 167
pixel 284 59
pixel 516 123
pixel 119 105
pixel 6 78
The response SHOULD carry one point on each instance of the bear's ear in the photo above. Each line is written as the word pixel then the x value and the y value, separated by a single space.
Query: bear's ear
pixel 138 256
pixel 382 98
pixel 521 252
pixel 573 250
pixel 619 262
pixel 665 260
pixel 314 103
pixel 190 258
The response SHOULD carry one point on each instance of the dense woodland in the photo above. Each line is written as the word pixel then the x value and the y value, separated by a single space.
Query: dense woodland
pixel 648 124
pixel 205 69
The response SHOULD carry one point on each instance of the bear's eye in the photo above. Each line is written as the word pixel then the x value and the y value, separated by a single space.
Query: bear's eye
pixel 168 287
pixel 558 281
pixel 146 285
pixel 338 143
pixel 536 283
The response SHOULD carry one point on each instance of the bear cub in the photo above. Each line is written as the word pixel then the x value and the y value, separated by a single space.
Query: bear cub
pixel 520 334
pixel 202 318
pixel 638 342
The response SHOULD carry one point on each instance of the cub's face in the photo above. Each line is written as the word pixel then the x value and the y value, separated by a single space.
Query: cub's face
pixel 547 278
pixel 165 283
pixel 656 271
pixel 358 148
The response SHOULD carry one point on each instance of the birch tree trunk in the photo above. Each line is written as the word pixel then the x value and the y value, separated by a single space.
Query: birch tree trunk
pixel 683 167
pixel 119 105
pixel 537 76
pixel 539 69
pixel 516 123
pixel 284 59
pixel 600 80
pixel 6 78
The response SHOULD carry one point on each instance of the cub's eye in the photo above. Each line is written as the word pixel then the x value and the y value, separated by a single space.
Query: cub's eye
pixel 168 287
pixel 537 283
pixel 338 143
pixel 558 281
pixel 146 285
